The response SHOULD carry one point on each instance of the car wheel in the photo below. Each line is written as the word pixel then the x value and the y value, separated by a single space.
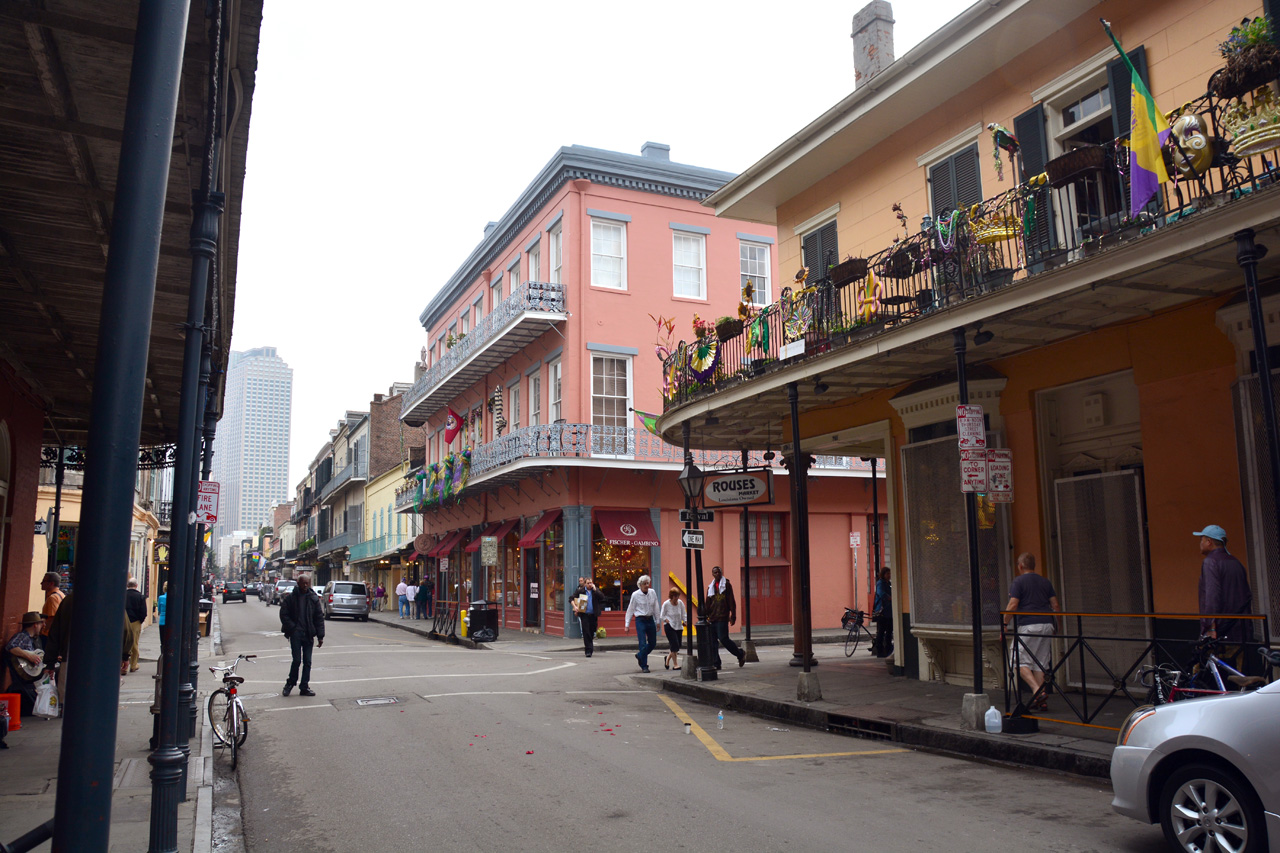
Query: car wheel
pixel 1203 807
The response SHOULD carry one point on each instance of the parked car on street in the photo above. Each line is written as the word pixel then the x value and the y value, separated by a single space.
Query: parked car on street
pixel 1204 769
pixel 280 590
pixel 345 598
pixel 233 591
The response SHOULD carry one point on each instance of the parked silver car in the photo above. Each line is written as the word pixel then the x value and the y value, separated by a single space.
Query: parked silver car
pixel 345 598
pixel 280 590
pixel 1205 769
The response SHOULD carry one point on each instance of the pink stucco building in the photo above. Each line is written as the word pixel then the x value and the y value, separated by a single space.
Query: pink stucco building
pixel 542 343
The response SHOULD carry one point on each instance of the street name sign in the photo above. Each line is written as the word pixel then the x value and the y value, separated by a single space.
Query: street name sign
pixel 970 428
pixel 207 502
pixel 688 516
pixel 691 539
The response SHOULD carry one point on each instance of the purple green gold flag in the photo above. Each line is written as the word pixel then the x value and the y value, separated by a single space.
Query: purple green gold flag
pixel 650 422
pixel 1147 133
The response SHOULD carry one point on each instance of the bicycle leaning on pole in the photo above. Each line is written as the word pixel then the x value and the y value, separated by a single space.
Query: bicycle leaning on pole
pixel 855 622
pixel 227 716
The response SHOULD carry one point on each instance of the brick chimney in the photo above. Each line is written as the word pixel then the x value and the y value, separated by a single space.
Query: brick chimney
pixel 872 41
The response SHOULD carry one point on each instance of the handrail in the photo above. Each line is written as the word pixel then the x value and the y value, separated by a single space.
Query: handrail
pixel 1080 650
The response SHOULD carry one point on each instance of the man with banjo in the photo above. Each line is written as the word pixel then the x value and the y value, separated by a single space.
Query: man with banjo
pixel 26 660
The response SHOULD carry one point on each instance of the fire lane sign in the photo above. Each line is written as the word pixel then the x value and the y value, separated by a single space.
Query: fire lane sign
pixel 207 502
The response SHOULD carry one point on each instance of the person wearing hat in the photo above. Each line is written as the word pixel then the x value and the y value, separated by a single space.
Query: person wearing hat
pixel 53 595
pixel 1224 588
pixel 23 647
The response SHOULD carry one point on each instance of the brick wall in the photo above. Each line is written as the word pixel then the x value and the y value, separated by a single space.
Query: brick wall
pixel 389 439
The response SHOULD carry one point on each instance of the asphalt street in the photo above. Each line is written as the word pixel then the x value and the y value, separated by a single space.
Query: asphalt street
pixel 495 749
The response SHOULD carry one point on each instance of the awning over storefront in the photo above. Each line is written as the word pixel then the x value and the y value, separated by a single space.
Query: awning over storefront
pixel 504 528
pixel 447 544
pixel 531 538
pixel 475 543
pixel 627 527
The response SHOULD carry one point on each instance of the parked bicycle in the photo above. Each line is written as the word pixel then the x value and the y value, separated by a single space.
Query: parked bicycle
pixel 1204 677
pixel 855 622
pixel 227 716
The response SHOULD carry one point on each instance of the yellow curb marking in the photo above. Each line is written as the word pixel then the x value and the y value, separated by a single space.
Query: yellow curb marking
pixel 721 755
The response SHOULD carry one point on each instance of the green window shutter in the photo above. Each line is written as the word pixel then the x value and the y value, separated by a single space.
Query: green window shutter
pixel 1030 130
pixel 1120 82
pixel 817 247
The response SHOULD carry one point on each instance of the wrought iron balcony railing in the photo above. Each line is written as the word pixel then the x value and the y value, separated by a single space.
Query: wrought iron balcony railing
pixel 371 548
pixel 518 320
pixel 356 471
pixel 1078 208
pixel 334 543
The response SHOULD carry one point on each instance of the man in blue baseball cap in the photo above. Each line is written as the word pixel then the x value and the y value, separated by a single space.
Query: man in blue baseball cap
pixel 1224 588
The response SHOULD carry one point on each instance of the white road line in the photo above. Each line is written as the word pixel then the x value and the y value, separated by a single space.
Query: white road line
pixel 480 693
pixel 439 675
pixel 300 707
pixel 578 692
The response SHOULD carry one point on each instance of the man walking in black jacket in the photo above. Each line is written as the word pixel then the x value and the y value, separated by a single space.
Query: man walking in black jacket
pixel 302 622
pixel 135 608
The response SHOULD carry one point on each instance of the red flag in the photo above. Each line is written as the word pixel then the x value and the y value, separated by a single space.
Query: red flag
pixel 452 424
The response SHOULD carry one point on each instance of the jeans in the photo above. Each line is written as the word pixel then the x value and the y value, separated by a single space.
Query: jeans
pixel 404 606
pixel 301 648
pixel 720 637
pixel 647 634
pixel 590 621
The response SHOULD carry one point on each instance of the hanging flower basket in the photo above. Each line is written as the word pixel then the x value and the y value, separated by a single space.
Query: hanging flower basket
pixel 1247 69
pixel 728 328
pixel 849 271
pixel 1075 164
pixel 903 262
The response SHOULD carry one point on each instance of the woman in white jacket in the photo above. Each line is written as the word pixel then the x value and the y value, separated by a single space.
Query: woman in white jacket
pixel 673 618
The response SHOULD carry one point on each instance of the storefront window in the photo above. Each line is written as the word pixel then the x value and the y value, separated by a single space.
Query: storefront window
pixel 553 564
pixel 493 574
pixel 615 568
pixel 511 565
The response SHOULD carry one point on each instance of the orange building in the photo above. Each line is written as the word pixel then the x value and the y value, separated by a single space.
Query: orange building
pixel 977 191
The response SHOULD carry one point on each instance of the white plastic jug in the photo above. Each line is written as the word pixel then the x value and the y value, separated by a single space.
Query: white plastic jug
pixel 994 721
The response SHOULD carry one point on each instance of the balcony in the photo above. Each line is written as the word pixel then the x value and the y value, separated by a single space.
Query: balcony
pixel 520 319
pixel 1055 257
pixel 356 472
pixel 532 450
pixel 371 549
pixel 334 543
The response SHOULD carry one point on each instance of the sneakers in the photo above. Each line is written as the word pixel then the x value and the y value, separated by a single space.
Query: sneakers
pixel 306 691
pixel 288 688
pixel 645 670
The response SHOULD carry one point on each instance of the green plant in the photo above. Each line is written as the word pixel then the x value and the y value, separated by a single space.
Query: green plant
pixel 450 341
pixel 1250 32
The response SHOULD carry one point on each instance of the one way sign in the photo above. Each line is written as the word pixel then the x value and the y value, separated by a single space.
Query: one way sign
pixel 691 539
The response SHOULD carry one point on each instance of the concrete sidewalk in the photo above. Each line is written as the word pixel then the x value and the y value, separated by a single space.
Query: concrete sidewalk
pixel 860 697
pixel 29 781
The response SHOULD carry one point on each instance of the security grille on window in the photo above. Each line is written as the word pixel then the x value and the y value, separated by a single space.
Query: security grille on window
pixel 690 273
pixel 937 541
pixel 753 259
pixel 608 254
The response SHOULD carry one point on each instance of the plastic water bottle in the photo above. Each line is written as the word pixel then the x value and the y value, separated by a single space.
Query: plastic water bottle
pixel 720 720
pixel 993 720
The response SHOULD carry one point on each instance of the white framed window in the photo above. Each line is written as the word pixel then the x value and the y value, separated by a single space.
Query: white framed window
pixel 553 391
pixel 753 261
pixel 513 273
pixel 535 261
pixel 611 393
pixel 535 399
pixel 464 321
pixel 555 244
pixel 689 254
pixel 453 332
pixel 495 294
pixel 609 254
pixel 475 426
pixel 477 310
pixel 513 406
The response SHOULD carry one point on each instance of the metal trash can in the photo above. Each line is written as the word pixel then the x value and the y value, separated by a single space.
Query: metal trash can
pixel 483 619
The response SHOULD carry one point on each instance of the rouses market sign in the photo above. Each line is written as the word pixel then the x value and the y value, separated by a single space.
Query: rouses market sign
pixel 738 489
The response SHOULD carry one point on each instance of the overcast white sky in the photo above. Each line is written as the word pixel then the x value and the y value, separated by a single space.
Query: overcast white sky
pixel 380 145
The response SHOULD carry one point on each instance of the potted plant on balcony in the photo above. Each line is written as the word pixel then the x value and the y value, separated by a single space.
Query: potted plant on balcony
pixel 1253 60
pixel 848 271
pixel 728 328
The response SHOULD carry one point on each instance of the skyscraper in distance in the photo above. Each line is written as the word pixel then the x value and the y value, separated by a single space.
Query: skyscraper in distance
pixel 251 447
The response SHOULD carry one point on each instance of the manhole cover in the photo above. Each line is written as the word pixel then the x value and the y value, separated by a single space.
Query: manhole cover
pixel 381 700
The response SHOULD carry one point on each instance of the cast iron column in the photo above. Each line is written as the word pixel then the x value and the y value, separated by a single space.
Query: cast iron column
pixel 86 762
pixel 971 526
pixel 748 647
pixel 1248 253
pixel 706 670
pixel 800 509
pixel 58 472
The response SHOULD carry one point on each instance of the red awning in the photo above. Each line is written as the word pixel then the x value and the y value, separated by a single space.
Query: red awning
pixel 531 538
pixel 627 527
pixel 504 528
pixel 475 543
pixel 447 544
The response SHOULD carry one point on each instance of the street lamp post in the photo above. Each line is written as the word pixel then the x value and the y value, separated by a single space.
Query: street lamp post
pixel 691 482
